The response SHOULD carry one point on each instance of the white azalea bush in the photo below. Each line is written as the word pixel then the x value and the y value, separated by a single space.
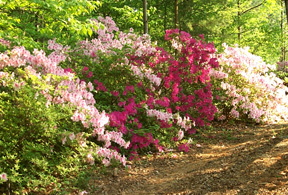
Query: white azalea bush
pixel 245 87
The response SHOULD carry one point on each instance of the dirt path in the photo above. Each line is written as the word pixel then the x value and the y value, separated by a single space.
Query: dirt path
pixel 237 160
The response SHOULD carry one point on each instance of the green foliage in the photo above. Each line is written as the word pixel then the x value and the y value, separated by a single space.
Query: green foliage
pixel 127 14
pixel 31 150
pixel 31 23
pixel 255 23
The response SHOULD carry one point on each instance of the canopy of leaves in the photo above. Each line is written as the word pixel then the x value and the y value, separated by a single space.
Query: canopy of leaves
pixel 33 22
pixel 254 23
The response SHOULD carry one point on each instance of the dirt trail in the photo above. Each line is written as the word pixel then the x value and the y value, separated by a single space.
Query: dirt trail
pixel 238 160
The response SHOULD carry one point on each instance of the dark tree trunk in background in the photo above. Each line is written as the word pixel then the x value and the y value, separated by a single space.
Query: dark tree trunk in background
pixel 145 19
pixel 176 14
pixel 165 15
pixel 286 6
pixel 282 34
pixel 239 25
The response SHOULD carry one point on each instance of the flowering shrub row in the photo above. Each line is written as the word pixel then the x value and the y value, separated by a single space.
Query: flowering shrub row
pixel 118 95
pixel 152 96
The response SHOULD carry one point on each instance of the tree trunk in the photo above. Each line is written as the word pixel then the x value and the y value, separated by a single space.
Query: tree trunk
pixel 239 25
pixel 286 5
pixel 282 34
pixel 176 14
pixel 145 19
pixel 165 16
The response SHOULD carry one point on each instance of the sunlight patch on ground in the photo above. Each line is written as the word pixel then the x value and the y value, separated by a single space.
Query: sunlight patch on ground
pixel 212 155
pixel 284 143
pixel 143 172
pixel 213 170
pixel 267 162
pixel 218 147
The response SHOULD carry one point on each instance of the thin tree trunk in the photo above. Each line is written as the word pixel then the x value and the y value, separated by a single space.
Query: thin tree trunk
pixel 165 15
pixel 145 19
pixel 286 5
pixel 176 14
pixel 282 34
pixel 239 25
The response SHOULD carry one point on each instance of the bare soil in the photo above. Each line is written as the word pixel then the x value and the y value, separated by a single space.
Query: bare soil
pixel 230 159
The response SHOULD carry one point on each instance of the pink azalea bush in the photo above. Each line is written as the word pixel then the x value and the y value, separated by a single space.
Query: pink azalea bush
pixel 244 86
pixel 49 116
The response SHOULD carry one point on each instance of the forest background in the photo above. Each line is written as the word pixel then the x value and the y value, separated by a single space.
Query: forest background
pixel 259 24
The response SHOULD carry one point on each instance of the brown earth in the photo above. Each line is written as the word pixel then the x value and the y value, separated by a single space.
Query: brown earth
pixel 231 159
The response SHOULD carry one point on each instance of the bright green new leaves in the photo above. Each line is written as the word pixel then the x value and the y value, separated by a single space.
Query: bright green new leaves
pixel 32 23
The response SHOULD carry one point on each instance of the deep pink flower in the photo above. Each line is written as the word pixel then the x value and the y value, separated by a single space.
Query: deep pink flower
pixel 85 69
pixel 90 74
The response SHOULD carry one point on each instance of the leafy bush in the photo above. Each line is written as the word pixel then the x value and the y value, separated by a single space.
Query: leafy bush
pixel 30 138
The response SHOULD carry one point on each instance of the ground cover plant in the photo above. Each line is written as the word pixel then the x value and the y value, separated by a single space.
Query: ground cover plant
pixel 111 98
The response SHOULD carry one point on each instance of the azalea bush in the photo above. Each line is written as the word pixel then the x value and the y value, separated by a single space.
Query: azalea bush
pixel 184 93
pixel 246 88
pixel 47 118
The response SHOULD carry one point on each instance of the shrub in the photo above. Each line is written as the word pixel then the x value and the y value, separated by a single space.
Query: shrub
pixel 246 88
pixel 40 145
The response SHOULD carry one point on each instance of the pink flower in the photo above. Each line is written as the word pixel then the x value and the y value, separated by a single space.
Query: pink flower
pixel 90 86
pixel 184 147
pixel 139 126
pixel 90 74
pixel 180 135
pixel 90 159
pixel 63 140
pixel 71 136
pixel 106 162
pixel 115 93
pixel 3 176
pixel 85 69
pixel 83 192
pixel 123 160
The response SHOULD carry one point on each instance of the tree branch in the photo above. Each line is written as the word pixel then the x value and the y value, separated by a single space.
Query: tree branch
pixel 251 9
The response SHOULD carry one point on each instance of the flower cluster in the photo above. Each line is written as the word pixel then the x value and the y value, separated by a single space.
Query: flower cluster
pixel 5 42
